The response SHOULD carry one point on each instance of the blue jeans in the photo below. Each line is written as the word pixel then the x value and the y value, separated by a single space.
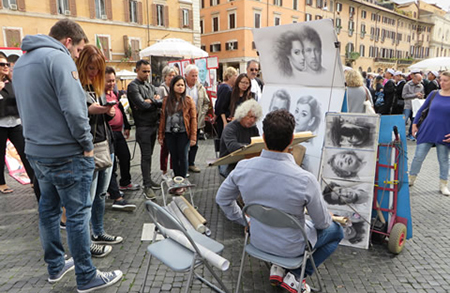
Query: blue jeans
pixel 100 183
pixel 327 242
pixel 178 145
pixel 408 116
pixel 65 182
pixel 421 153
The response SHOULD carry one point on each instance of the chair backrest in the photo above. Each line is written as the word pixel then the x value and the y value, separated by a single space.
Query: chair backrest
pixel 273 217
pixel 162 218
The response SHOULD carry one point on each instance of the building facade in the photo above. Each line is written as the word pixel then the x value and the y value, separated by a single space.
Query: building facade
pixel 373 36
pixel 121 28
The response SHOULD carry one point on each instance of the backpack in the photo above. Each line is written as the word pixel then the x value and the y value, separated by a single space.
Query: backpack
pixel 379 99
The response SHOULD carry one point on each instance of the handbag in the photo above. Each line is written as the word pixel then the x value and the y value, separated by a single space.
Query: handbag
pixel 425 111
pixel 368 107
pixel 102 154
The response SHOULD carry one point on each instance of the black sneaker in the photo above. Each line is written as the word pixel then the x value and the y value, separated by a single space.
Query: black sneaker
pixel 100 250
pixel 155 185
pixel 101 280
pixel 123 205
pixel 149 193
pixel 106 239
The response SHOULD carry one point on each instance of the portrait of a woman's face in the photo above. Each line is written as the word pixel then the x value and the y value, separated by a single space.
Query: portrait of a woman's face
pixel 303 117
pixel 297 58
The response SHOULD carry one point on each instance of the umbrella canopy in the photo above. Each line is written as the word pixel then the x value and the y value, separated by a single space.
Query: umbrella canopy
pixel 173 48
pixel 126 74
pixel 438 63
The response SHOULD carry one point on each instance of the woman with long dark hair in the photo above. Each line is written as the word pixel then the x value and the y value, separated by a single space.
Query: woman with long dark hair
pixel 241 93
pixel 10 124
pixel 178 125
pixel 91 69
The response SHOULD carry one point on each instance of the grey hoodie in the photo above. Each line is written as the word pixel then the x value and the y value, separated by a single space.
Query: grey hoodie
pixel 51 101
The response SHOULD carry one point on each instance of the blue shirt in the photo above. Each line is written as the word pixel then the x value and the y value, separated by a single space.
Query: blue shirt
pixel 437 124
pixel 275 180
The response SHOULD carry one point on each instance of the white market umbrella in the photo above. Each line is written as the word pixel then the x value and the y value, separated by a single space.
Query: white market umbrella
pixel 173 48
pixel 438 63
pixel 126 74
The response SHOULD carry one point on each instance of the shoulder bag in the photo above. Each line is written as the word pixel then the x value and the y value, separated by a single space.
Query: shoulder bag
pixel 425 111
pixel 368 107
pixel 102 154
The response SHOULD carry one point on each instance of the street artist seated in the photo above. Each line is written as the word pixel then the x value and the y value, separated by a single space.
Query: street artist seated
pixel 275 180
pixel 239 132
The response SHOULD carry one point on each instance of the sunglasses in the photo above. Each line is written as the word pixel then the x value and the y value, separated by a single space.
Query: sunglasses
pixel 146 71
pixel 2 64
pixel 253 69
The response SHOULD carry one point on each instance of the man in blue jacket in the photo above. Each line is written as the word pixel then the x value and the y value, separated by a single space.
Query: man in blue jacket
pixel 59 146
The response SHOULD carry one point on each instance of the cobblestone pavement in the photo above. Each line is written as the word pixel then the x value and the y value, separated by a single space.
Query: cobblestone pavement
pixel 421 267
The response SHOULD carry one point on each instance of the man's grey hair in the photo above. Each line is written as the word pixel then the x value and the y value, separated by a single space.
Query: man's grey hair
pixel 189 68
pixel 248 106
pixel 252 61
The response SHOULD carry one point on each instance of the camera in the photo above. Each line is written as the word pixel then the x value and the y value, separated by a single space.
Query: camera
pixel 175 128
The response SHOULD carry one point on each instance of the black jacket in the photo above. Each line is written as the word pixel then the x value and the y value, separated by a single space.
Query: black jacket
pixel 144 114
pixel 8 105
pixel 389 91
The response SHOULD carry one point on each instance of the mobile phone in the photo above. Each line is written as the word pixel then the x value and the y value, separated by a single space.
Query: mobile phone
pixel 111 103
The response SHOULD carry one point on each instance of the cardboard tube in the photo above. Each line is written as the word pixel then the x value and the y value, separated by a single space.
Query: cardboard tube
pixel 189 215
pixel 196 213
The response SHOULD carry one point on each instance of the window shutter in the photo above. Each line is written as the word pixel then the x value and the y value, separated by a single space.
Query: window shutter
pixel 210 2
pixel 73 7
pixel 13 38
pixel 166 16
pixel 21 5
pixel 139 13
pixel 126 10
pixel 108 8
pixel 154 15
pixel 236 45
pixel 191 19
pixel 135 49
pixel 181 18
pixel 53 8
pixel 210 48
pixel 219 47
pixel 92 8
pixel 125 43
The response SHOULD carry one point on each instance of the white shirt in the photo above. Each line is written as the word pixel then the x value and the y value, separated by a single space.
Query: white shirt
pixel 192 92
pixel 256 89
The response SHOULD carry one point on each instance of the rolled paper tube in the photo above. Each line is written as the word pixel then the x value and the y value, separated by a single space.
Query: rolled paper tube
pixel 216 260
pixel 190 215
pixel 340 220
pixel 197 214
pixel 174 210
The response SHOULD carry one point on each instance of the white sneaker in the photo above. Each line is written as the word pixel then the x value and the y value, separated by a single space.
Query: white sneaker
pixel 291 284
pixel 276 275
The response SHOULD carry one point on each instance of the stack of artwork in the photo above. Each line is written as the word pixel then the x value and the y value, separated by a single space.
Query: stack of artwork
pixel 348 171
pixel 302 72
pixel 207 74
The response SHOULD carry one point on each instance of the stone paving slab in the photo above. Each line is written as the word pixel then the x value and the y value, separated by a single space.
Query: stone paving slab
pixel 421 267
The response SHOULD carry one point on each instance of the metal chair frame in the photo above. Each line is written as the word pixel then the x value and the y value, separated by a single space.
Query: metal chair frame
pixel 276 219
pixel 163 219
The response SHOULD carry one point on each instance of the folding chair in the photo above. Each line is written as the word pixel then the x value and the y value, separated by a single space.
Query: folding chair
pixel 276 219
pixel 174 255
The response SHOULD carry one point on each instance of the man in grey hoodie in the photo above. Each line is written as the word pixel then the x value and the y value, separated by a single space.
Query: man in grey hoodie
pixel 59 146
